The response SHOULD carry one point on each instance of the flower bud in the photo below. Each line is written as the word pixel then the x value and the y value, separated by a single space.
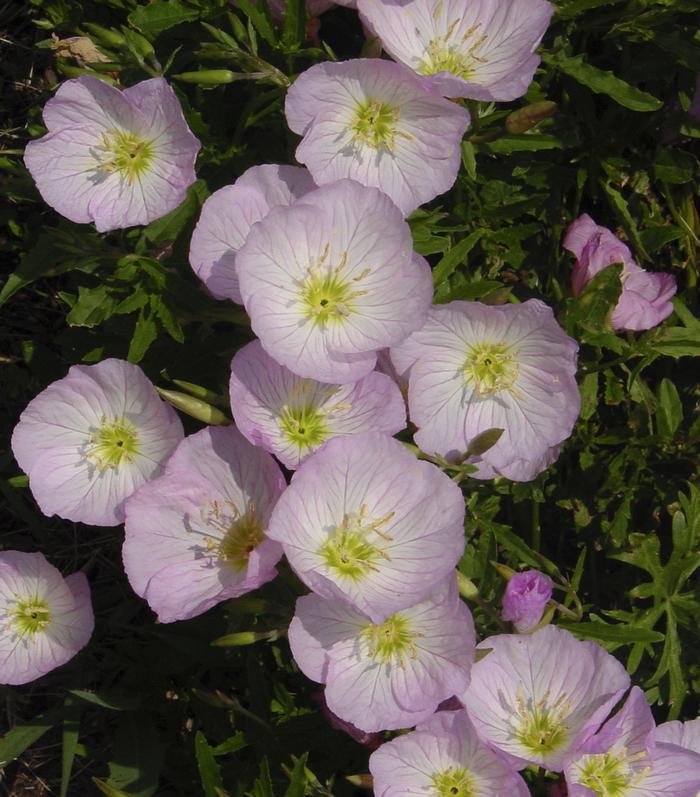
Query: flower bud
pixel 526 596
pixel 209 77
pixel 195 407
pixel 526 118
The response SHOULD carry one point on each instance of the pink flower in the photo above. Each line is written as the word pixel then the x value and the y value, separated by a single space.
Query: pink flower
pixel 525 598
pixel 483 49
pixel 683 734
pixel 645 300
pixel 196 536
pixel 372 121
pixel 229 213
pixel 331 280
pixel 444 757
pixel 290 416
pixel 45 619
pixel 623 758
pixel 537 697
pixel 117 158
pixel 366 522
pixel 475 367
pixel 391 674
pixel 91 439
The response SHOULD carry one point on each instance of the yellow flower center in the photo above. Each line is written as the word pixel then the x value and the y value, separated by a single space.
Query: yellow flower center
pixel 459 57
pixel 236 535
pixel 114 444
pixel 326 295
pixel 455 782
pixel 490 368
pixel 391 640
pixel 125 153
pixel 303 425
pixel 610 774
pixel 353 551
pixel 31 616
pixel 541 727
pixel 374 124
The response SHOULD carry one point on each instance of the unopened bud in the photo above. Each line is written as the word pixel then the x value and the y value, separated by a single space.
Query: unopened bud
pixel 202 393
pixel 482 442
pixel 242 638
pixel 194 407
pixel 467 588
pixel 110 37
pixel 209 77
pixel 526 118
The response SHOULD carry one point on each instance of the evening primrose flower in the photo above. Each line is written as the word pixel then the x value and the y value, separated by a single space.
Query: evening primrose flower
pixel 645 300
pixel 624 760
pixel 290 416
pixel 365 521
pixel 475 367
pixel 443 757
pixel 331 280
pixel 92 438
pixel 196 536
pixel 482 49
pixel 229 213
pixel 683 734
pixel 45 619
pixel 372 121
pixel 391 674
pixel 525 598
pixel 118 158
pixel 537 697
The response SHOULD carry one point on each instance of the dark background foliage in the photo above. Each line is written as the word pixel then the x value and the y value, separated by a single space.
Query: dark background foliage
pixel 156 709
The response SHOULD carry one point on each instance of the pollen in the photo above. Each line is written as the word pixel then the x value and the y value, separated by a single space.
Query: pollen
pixel 375 124
pixel 392 640
pixel 30 616
pixel 490 368
pixel 126 154
pixel 454 782
pixel 357 545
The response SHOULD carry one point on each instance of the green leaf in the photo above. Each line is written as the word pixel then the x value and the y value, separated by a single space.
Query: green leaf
pixel 294 24
pixel 603 82
pixel 172 224
pixel 620 204
pixel 263 785
pixel 156 17
pixel 145 332
pixel 110 791
pixel 676 342
pixel 137 756
pixel 603 632
pixel 209 772
pixel 674 166
pixel 94 305
pixel 18 739
pixel 37 262
pixel 589 396
pixel 454 257
pixel 231 745
pixel 114 701
pixel 297 777
pixel 517 546
pixel 71 731
pixel 259 15
pixel 593 308
pixel 525 142
pixel 670 409
pixel 576 7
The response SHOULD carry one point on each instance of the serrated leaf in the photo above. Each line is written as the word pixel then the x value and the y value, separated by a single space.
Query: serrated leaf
pixel 145 332
pixel 209 771
pixel 258 14
pixel 674 166
pixel 159 16
pixel 601 81
pixel 93 306
pixel 263 785
pixel 456 255
pixel 167 318
pixel 670 409
pixel 589 396
pixel 294 24
pixel 298 779
pixel 677 342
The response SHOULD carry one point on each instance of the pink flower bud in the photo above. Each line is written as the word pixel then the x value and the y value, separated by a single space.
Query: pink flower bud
pixel 526 596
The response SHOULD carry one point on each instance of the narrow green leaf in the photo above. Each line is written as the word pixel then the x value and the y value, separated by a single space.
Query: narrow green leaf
pixel 18 739
pixel 294 24
pixel 71 731
pixel 168 227
pixel 576 7
pixel 263 785
pixel 456 255
pixel 231 745
pixel 677 342
pixel 525 142
pixel 603 82
pixel 258 14
pixel 670 409
pixel 297 777
pixel 672 165
pixel 111 700
pixel 589 396
pixel 110 791
pixel 137 756
pixel 603 632
pixel 209 772
pixel 619 204
pixel 145 332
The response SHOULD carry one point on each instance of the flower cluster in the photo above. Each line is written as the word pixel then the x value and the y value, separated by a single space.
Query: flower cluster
pixel 322 259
